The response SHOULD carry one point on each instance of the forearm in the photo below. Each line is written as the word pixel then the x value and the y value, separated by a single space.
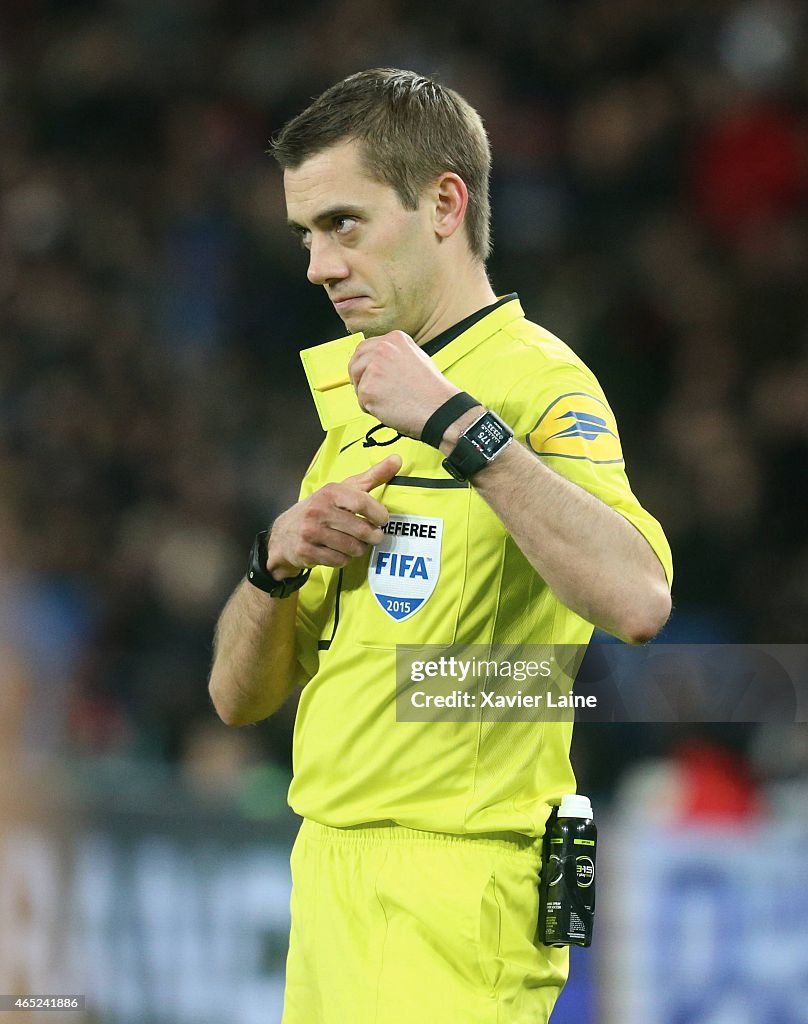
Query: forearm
pixel 254 655
pixel 595 561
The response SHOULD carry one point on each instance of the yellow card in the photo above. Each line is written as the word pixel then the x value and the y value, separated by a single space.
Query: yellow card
pixel 326 368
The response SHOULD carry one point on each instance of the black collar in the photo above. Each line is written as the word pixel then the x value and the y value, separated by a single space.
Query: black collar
pixel 442 340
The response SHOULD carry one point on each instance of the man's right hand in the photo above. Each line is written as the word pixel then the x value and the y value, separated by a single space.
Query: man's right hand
pixel 330 527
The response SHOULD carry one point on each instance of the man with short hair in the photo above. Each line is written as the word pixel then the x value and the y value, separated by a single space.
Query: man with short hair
pixel 500 513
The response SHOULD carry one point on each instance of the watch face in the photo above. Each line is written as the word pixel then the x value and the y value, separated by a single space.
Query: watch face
pixel 489 434
pixel 477 446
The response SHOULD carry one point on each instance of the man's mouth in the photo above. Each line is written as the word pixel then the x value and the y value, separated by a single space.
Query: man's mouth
pixel 341 305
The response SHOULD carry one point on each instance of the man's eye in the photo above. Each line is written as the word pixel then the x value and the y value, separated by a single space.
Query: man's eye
pixel 304 238
pixel 343 224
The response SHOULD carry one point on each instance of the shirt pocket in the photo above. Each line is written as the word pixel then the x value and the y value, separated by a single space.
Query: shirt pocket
pixel 411 587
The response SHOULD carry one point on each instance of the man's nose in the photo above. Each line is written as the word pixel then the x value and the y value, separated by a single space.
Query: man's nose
pixel 326 262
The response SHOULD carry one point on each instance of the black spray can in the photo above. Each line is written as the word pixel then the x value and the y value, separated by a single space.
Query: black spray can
pixel 567 896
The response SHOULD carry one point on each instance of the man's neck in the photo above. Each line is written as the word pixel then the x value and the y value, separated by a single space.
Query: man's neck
pixel 456 302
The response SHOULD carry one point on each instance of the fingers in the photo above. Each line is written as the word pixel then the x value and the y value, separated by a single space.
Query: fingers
pixel 374 348
pixel 358 527
pixel 338 522
pixel 350 499
pixel 337 539
pixel 334 548
pixel 318 544
pixel 339 530
pixel 381 473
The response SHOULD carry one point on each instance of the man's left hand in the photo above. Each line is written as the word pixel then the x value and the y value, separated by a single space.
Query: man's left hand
pixel 397 382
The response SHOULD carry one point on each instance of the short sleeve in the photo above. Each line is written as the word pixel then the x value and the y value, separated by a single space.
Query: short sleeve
pixel 562 415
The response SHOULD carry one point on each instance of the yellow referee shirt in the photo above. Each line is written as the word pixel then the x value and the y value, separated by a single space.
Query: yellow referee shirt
pixel 448 573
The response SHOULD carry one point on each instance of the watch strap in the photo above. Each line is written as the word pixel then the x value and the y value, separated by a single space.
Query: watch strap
pixel 465 460
pixel 445 415
pixel 258 575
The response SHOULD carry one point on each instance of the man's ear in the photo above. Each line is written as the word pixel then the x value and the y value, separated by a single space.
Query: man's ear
pixel 450 198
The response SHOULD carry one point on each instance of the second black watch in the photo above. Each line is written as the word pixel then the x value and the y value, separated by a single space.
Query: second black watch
pixel 259 577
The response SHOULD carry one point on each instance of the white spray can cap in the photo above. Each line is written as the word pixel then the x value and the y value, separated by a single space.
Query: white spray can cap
pixel 574 806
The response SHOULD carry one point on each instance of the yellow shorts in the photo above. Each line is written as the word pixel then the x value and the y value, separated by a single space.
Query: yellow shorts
pixel 395 926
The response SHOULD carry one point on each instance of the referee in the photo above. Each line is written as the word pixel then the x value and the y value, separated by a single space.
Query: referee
pixel 480 498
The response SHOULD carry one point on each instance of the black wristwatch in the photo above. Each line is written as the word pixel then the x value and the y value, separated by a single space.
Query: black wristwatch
pixel 478 445
pixel 259 577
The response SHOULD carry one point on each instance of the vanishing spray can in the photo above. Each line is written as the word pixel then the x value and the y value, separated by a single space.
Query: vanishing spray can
pixel 567 896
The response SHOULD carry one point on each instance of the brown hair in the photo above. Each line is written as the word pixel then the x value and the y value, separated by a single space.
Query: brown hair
pixel 410 128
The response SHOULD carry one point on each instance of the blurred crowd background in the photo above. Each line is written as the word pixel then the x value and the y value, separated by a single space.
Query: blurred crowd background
pixel 649 198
